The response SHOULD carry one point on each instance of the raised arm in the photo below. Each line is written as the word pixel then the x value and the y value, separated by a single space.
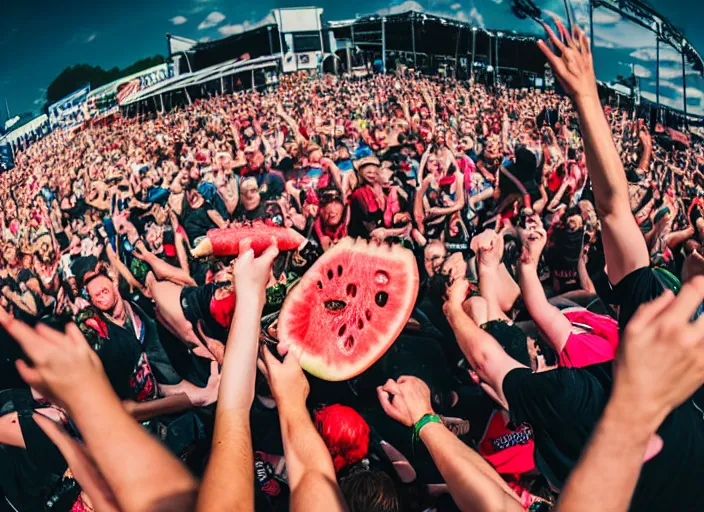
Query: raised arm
pixel 229 477
pixel 547 317
pixel 68 372
pixel 311 474
pixel 483 352
pixel 473 484
pixel 624 246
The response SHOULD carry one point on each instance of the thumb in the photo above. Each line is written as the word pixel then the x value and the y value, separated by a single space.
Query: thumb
pixel 245 250
pixel 271 252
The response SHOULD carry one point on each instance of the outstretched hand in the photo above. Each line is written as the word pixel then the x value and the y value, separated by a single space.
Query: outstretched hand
pixel 533 238
pixel 63 364
pixel 489 247
pixel 660 363
pixel 574 68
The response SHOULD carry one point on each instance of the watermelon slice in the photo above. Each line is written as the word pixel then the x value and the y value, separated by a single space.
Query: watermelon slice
pixel 226 241
pixel 349 307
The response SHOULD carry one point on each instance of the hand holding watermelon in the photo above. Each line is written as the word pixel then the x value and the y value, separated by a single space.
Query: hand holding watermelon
pixel 406 400
pixel 251 274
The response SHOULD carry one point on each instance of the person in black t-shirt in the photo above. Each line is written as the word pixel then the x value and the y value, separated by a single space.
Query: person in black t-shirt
pixel 563 406
pixel 128 344
pixel 198 216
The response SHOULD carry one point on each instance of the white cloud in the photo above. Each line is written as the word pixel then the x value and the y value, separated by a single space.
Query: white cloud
pixel 642 72
pixel 178 20
pixel 211 20
pixel 204 39
pixel 476 17
pixel 231 30
pixel 91 37
pixel 498 2
pixel 38 101
pixel 456 7
pixel 649 53
pixel 606 17
pixel 238 28
pixel 625 35
pixel 408 5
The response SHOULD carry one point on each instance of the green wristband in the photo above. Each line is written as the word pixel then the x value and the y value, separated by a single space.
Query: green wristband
pixel 428 418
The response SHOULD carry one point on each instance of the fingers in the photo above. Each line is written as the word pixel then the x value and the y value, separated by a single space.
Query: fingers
pixel 391 387
pixel 48 333
pixel 564 33
pixel 75 335
pixel 30 375
pixel 688 301
pixel 584 43
pixel 283 348
pixel 245 250
pixel 292 358
pixel 555 40
pixel 25 336
pixel 214 369
pixel 269 360
pixel 386 403
pixel 271 252
pixel 262 366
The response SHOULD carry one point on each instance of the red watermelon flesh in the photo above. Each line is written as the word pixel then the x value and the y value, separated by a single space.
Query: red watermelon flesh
pixel 349 308
pixel 226 241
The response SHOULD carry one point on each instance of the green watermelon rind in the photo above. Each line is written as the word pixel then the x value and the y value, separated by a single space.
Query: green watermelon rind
pixel 316 365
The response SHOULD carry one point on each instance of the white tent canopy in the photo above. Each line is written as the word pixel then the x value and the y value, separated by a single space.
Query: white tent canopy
pixel 208 74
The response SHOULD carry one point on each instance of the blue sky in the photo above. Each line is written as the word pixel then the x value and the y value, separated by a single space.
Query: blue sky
pixel 39 39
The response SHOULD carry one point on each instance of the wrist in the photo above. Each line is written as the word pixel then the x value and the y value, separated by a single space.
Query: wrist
pixel 587 100
pixel 422 421
pixel 631 411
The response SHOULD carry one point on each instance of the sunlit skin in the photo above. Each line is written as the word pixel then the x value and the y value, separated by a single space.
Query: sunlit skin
pixel 331 214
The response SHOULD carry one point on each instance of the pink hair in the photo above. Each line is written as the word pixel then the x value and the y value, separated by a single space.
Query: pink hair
pixel 345 433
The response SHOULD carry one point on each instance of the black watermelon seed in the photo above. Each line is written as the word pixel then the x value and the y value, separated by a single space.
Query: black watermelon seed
pixel 352 290
pixel 335 305
pixel 339 270
pixel 349 343
pixel 360 324
pixel 342 330
pixel 320 285
pixel 368 315
pixel 330 274
pixel 381 298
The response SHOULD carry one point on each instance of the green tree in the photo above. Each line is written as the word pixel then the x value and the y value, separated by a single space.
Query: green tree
pixel 75 77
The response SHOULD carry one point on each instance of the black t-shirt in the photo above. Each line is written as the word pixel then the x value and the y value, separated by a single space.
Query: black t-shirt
pixel 30 477
pixel 638 287
pixel 259 213
pixel 196 222
pixel 563 406
pixel 136 366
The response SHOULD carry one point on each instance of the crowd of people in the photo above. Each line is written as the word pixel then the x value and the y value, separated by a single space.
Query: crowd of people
pixel 552 360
